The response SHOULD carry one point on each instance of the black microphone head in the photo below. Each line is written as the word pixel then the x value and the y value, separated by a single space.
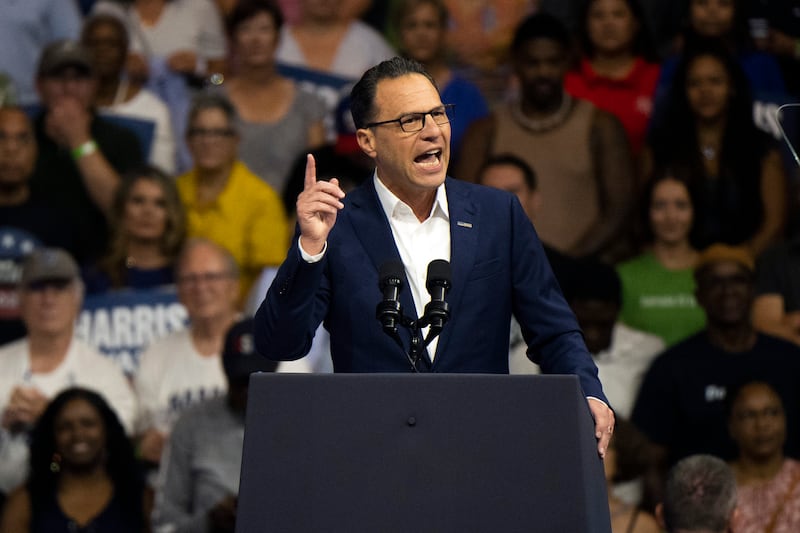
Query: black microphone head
pixel 438 274
pixel 391 273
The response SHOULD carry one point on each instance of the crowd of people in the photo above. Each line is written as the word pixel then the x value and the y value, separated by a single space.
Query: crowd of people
pixel 157 148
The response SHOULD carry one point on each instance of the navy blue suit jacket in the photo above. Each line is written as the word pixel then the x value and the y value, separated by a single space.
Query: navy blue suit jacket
pixel 498 268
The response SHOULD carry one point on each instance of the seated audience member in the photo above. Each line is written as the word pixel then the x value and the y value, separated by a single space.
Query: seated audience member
pixel 725 21
pixel 49 359
pixel 768 482
pixel 106 39
pixel 278 120
pixel 709 135
pixel 615 72
pixel 658 285
pixel 622 354
pixel 25 29
pixel 779 38
pixel 209 438
pixel 421 27
pixel 183 368
pixel 83 474
pixel 776 309
pixel 185 34
pixel 579 153
pixel 225 202
pixel 80 154
pixel 148 231
pixel 699 497
pixel 624 462
pixel 681 403
pixel 26 222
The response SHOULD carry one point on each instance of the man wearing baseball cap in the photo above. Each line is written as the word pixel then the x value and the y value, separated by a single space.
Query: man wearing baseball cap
pixel 681 402
pixel 49 359
pixel 81 155
pixel 208 438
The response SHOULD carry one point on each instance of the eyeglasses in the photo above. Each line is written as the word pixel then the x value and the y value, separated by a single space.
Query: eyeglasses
pixel 211 133
pixel 207 277
pixel 414 122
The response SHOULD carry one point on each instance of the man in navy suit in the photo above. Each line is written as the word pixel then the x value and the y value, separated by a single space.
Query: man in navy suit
pixel 411 212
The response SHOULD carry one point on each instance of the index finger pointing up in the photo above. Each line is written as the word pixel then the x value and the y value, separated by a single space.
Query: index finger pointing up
pixel 311 172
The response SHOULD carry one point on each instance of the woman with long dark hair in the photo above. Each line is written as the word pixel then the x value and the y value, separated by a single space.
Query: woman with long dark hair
pixel 83 472
pixel 617 71
pixel 709 136
pixel 149 229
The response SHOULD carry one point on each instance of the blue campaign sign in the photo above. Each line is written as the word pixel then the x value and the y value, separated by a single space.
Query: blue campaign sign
pixel 121 324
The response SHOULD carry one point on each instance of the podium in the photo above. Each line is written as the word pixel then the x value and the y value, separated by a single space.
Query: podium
pixel 420 453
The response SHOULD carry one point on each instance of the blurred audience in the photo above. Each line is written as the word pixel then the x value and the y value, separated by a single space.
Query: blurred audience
pixel 208 438
pixel 579 152
pixel 623 462
pixel 421 27
pixel 81 155
pixel 25 29
pixel 225 202
pixel 775 26
pixel 49 359
pixel 186 34
pixel 699 497
pixel 622 354
pixel 106 39
pixel 183 368
pixel 658 285
pixel 709 136
pixel 617 70
pixel 326 40
pixel 681 403
pixel 148 231
pixel 776 309
pixel 278 120
pixel 26 222
pixel 768 482
pixel 83 473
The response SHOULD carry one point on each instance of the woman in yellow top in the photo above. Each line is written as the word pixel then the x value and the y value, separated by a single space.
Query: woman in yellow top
pixel 225 202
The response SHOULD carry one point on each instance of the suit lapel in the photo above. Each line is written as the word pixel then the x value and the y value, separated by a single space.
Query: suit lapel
pixel 464 228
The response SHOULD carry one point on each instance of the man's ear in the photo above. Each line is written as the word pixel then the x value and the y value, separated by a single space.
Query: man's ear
pixel 366 140
pixel 660 516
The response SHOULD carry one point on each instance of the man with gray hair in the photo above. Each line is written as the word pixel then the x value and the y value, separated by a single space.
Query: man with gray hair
pixel 699 497
pixel 50 359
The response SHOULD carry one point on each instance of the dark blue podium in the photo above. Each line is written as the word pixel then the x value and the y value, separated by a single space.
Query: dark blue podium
pixel 420 453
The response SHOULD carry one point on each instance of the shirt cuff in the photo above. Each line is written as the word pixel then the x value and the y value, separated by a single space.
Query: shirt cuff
pixel 592 397
pixel 311 258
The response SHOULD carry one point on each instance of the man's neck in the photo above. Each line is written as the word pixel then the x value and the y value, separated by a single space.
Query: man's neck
pixel 16 194
pixel 732 338
pixel 208 334
pixel 48 351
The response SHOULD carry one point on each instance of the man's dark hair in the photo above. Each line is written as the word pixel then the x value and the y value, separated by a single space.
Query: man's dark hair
pixel 513 161
pixel 362 97
pixel 592 279
pixel 700 495
pixel 540 26
pixel 212 100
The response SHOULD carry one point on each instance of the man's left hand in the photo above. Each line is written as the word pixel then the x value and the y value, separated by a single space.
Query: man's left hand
pixel 603 424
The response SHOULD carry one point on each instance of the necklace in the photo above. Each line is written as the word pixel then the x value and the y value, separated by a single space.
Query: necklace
pixel 542 124
pixel 709 152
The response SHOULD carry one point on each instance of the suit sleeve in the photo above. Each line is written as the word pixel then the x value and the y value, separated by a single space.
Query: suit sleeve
pixel 554 339
pixel 295 304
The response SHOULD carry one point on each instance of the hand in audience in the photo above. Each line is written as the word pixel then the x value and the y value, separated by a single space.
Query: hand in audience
pixel 151 445
pixel 68 123
pixel 222 516
pixel 183 61
pixel 24 407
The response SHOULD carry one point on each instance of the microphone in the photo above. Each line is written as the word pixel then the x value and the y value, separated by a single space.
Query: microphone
pixel 388 311
pixel 437 312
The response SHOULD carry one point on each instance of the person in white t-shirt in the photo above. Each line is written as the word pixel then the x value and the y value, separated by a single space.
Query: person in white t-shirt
pixel 50 359
pixel 184 368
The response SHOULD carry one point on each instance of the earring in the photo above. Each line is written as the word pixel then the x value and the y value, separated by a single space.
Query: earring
pixel 55 463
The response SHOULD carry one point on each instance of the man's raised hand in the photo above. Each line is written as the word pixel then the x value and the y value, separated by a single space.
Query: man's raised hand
pixel 317 207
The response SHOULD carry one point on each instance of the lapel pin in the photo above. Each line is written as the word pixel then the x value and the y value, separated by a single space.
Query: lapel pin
pixel 464 224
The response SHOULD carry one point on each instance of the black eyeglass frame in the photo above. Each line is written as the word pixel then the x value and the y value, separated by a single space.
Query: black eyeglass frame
pixel 446 109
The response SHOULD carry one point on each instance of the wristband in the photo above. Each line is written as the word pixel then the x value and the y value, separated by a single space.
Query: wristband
pixel 87 148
